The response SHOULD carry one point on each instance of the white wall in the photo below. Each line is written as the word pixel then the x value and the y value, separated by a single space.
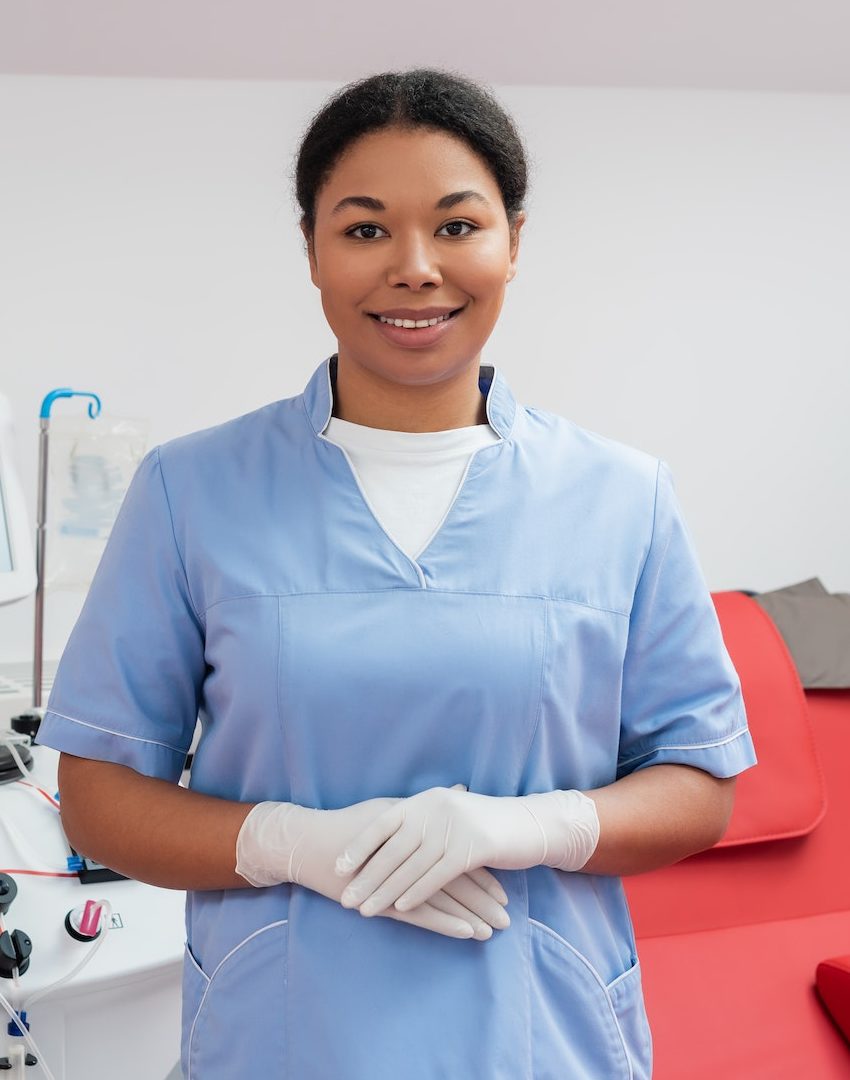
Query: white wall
pixel 684 286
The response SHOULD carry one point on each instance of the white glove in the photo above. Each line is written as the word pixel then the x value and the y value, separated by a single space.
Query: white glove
pixel 430 838
pixel 284 842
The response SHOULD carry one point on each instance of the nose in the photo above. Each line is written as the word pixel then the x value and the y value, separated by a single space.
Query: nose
pixel 414 262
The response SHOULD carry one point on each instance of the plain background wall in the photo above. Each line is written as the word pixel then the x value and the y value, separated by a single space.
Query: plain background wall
pixel 684 287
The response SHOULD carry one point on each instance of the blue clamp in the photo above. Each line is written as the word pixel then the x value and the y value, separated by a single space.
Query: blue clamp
pixel 66 391
pixel 75 862
pixel 13 1027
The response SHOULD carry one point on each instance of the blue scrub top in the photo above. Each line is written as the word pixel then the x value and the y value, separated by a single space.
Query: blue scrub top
pixel 557 632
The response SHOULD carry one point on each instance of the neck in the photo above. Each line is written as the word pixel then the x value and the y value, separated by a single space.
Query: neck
pixel 362 397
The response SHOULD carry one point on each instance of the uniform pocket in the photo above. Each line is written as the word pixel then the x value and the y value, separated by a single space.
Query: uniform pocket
pixel 195 983
pixel 236 1013
pixel 626 994
pixel 581 1027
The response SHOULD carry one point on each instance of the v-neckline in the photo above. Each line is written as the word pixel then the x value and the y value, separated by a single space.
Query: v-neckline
pixel 416 563
pixel 318 400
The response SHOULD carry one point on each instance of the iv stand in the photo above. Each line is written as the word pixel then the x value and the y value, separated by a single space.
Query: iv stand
pixel 41 534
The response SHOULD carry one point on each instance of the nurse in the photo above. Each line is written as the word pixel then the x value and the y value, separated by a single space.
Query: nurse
pixel 455 662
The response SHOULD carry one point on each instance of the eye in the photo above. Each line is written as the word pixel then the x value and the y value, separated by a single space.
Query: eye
pixel 472 228
pixel 352 231
pixel 355 229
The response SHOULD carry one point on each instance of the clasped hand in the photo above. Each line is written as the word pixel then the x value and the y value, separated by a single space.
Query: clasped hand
pixel 421 843
pixel 285 842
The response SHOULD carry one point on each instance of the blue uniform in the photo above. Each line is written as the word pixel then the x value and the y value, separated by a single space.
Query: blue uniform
pixel 556 632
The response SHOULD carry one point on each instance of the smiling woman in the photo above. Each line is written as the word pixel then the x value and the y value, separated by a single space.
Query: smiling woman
pixel 439 169
pixel 455 661
pixel 411 262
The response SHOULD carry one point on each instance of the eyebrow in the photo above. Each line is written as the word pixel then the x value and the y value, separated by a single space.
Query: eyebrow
pixel 367 202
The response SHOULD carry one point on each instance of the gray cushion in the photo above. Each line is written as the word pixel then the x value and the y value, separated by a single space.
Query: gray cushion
pixel 815 625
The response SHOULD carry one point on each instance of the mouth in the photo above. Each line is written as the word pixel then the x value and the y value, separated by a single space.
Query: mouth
pixel 415 337
pixel 444 318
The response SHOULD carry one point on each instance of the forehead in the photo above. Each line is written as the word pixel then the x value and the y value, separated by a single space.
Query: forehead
pixel 398 166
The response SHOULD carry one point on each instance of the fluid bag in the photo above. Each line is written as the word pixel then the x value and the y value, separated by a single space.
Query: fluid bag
pixel 90 465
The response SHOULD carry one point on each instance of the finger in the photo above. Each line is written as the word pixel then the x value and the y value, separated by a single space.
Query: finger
pixel 406 873
pixel 442 901
pixel 477 906
pixel 394 854
pixel 375 834
pixel 489 882
pixel 431 918
pixel 434 879
pixel 477 901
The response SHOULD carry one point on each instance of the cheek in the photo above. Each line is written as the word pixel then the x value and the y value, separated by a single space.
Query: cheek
pixel 341 281
pixel 484 271
pixel 342 292
pixel 488 289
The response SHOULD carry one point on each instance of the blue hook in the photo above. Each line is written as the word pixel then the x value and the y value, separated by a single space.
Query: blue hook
pixel 65 391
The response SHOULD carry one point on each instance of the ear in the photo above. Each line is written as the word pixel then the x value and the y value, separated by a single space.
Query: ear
pixel 518 224
pixel 311 255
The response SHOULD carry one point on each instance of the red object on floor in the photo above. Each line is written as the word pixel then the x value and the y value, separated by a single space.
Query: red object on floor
pixel 833 982
pixel 730 939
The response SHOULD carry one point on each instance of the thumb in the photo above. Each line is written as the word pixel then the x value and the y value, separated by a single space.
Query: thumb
pixel 462 787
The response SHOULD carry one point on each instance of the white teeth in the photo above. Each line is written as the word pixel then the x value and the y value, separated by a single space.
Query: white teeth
pixel 410 323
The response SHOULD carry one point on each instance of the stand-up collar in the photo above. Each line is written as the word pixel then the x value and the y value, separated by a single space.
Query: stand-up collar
pixel 500 403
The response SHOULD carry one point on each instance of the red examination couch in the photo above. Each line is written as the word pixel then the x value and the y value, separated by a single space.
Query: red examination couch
pixel 730 939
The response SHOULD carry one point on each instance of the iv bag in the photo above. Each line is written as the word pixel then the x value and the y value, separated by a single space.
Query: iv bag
pixel 90 465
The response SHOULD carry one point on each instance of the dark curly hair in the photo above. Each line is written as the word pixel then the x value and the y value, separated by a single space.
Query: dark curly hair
pixel 418 98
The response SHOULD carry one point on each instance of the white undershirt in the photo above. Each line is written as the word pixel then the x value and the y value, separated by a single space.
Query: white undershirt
pixel 409 478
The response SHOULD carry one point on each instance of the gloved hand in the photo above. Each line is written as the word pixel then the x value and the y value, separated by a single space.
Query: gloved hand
pixel 430 838
pixel 284 842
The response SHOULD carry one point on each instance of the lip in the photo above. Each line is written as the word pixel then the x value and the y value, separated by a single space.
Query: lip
pixel 415 313
pixel 409 337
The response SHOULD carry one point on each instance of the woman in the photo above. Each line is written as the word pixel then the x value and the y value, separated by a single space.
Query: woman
pixel 429 630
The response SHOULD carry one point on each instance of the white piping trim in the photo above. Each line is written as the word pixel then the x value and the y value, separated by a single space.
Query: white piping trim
pixel 450 507
pixel 195 963
pixel 624 976
pixel 688 746
pixel 120 734
pixel 602 986
pixel 199 1010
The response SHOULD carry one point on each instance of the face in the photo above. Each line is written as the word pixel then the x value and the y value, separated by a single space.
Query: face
pixel 382 242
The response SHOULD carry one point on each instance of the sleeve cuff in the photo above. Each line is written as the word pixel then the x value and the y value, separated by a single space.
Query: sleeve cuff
pixel 83 739
pixel 722 758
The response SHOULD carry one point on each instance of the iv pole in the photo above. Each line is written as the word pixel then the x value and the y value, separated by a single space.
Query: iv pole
pixel 41 535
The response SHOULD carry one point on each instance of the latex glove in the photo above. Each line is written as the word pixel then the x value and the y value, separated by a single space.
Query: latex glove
pixel 421 842
pixel 284 842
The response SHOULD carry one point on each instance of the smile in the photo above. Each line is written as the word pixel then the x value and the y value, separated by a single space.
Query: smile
pixel 417 324
pixel 419 333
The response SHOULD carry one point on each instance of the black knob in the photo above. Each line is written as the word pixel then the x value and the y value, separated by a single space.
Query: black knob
pixel 23 948
pixel 8 960
pixel 15 952
pixel 26 724
pixel 8 892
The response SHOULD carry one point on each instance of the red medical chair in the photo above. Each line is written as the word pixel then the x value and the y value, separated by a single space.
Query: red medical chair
pixel 732 940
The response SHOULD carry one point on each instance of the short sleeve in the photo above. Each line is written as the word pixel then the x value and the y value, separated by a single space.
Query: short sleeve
pixel 681 695
pixel 129 680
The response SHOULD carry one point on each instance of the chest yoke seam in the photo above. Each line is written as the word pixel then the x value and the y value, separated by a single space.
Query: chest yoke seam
pixel 414 589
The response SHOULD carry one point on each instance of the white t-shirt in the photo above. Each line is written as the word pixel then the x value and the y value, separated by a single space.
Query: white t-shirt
pixel 409 479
